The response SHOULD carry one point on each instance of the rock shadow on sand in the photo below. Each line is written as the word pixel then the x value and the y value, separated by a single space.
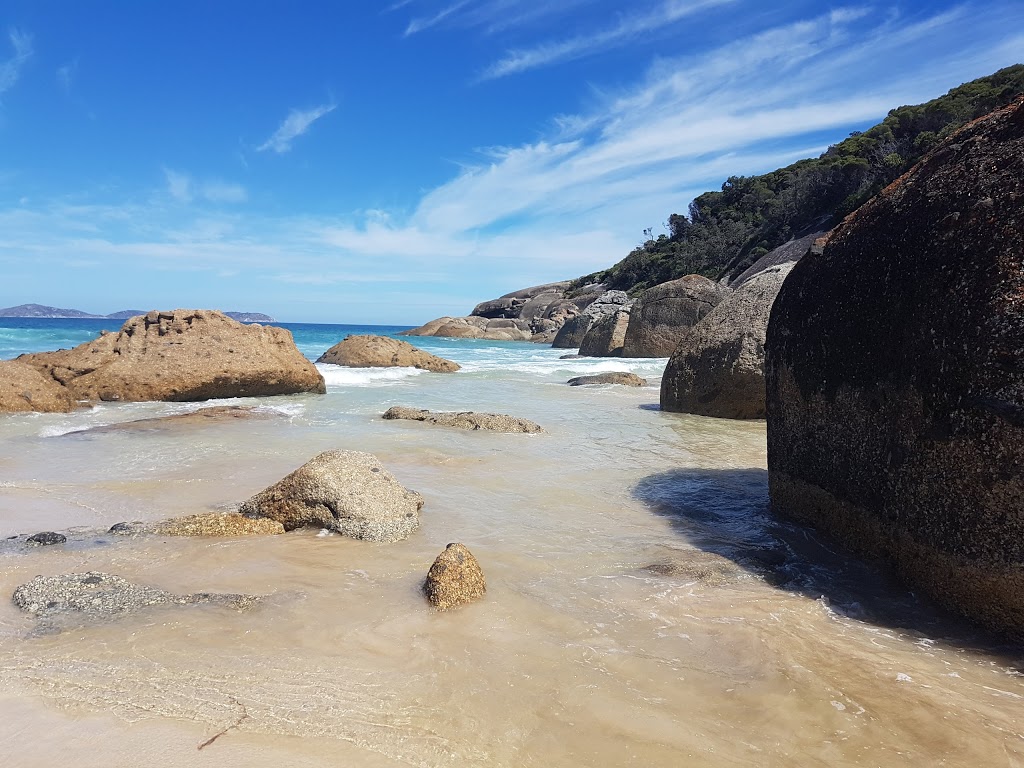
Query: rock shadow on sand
pixel 726 512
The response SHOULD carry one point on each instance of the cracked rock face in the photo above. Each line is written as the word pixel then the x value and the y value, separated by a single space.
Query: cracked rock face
pixel 663 314
pixel 349 492
pixel 895 379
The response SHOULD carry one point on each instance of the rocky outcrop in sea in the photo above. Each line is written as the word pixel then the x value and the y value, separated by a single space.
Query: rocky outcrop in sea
pixel 663 314
pixel 491 422
pixel 183 355
pixel 895 383
pixel 384 352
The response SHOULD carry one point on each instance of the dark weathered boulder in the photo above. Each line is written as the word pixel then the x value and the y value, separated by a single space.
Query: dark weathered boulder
pixel 575 328
pixel 718 367
pixel 184 355
pixel 371 351
pixel 454 579
pixel 896 382
pixel 662 315
pixel 493 422
pixel 47 538
pixel 791 250
pixel 23 388
pixel 624 378
pixel 345 491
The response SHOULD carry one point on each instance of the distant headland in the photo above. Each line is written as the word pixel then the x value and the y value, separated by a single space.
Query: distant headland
pixel 42 311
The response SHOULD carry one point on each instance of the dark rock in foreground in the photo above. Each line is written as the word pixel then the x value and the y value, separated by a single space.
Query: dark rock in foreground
pixel 663 314
pixel 47 538
pixel 895 381
pixel 184 355
pixel 494 422
pixel 344 491
pixel 612 377
pixel 99 595
pixel 384 352
pixel 718 368
pixel 454 579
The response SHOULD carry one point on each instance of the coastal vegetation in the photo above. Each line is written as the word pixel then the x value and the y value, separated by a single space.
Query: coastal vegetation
pixel 726 231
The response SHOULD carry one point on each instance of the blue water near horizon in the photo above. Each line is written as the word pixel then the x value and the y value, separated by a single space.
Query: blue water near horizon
pixel 19 335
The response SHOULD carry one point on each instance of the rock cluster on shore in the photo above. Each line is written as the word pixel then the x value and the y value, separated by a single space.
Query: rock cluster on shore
pixel 184 355
pixel 895 384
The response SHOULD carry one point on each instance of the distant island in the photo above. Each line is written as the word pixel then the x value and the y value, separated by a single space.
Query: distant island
pixel 42 311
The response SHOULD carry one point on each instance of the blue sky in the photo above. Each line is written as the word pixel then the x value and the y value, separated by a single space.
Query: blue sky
pixel 362 162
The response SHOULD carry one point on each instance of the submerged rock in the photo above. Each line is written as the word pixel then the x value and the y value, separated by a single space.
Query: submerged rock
pixel 183 355
pixel 99 595
pixel 718 367
pixel 46 538
pixel 494 422
pixel 218 524
pixel 384 352
pixel 454 579
pixel 23 388
pixel 895 377
pixel 217 414
pixel 611 377
pixel 349 492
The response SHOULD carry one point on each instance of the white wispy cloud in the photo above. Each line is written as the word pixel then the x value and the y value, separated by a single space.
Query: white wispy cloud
pixel 420 24
pixel 183 188
pixel 627 29
pixel 66 75
pixel 10 69
pixel 295 125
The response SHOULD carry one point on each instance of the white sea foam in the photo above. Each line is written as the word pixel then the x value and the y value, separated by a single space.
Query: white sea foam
pixel 340 376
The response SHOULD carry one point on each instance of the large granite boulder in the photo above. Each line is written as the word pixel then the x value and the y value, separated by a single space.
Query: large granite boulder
pixel 23 388
pixel 384 352
pixel 525 304
pixel 184 355
pixel 474 328
pixel 896 381
pixel 491 422
pixel 349 492
pixel 791 250
pixel 718 367
pixel 664 313
pixel 596 308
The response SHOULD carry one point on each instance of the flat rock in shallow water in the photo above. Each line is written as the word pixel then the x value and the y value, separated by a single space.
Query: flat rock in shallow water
pixel 349 492
pixel 612 377
pixel 218 524
pixel 218 414
pixel 454 579
pixel 98 595
pixel 494 422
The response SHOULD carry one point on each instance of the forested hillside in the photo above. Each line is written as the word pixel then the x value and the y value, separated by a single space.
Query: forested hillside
pixel 724 232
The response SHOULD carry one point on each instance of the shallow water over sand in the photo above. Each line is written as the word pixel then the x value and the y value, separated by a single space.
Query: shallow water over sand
pixel 747 643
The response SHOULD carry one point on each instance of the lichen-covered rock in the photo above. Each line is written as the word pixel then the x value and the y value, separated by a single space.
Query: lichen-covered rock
pixel 384 352
pixel 607 336
pixel 349 492
pixel 895 377
pixel 98 595
pixel 23 388
pixel 663 314
pixel 218 524
pixel 718 367
pixel 184 355
pixel 493 422
pixel 624 378
pixel 454 579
